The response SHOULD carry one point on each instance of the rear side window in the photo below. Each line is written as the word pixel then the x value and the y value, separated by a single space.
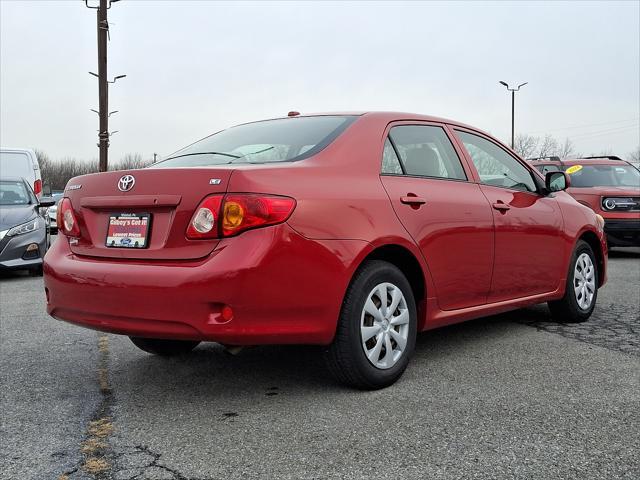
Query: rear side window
pixel 390 161
pixel 495 166
pixel 280 140
pixel 426 151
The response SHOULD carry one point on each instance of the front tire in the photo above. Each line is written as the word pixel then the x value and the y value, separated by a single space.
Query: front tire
pixel 376 332
pixel 164 348
pixel 581 291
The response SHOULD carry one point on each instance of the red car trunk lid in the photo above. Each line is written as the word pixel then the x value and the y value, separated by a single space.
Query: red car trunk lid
pixel 96 197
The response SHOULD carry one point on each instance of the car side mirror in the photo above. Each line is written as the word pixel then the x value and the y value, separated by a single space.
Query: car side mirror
pixel 556 181
pixel 46 202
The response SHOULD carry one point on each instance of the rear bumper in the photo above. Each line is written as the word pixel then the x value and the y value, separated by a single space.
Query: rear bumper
pixel 282 287
pixel 622 233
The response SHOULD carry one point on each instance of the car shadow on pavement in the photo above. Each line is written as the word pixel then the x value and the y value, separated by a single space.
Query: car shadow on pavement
pixel 270 371
pixel 630 252
pixel 13 275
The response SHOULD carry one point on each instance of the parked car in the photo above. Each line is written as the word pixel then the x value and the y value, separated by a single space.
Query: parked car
pixel 610 187
pixel 21 163
pixel 352 231
pixel 24 236
pixel 52 212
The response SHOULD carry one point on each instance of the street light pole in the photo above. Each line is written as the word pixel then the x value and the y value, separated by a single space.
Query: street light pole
pixel 513 107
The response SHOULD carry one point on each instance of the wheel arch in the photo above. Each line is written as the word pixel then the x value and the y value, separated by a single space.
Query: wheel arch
pixel 408 263
pixel 594 242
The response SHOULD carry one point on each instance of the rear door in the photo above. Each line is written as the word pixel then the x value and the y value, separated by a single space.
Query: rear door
pixel 447 215
pixel 529 243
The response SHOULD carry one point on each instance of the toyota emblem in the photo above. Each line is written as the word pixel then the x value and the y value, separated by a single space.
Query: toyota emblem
pixel 126 183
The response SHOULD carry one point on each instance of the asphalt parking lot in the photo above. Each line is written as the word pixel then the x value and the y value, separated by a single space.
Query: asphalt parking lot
pixel 510 396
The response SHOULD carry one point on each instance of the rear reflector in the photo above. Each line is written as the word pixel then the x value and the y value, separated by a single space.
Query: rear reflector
pixel 219 216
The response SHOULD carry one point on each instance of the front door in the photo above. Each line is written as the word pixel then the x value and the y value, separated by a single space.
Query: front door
pixel 447 215
pixel 529 244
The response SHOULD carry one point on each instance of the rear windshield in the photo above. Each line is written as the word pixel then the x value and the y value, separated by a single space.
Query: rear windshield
pixel 281 140
pixel 14 193
pixel 605 176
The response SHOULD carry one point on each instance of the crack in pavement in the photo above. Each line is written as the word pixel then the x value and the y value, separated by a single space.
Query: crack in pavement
pixel 96 448
pixel 613 326
pixel 99 459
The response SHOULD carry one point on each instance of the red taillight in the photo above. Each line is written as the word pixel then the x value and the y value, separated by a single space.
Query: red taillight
pixel 219 216
pixel 66 219
pixel 37 187
pixel 241 211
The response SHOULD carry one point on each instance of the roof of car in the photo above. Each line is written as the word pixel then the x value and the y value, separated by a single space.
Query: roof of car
pixel 12 179
pixel 579 161
pixel 391 116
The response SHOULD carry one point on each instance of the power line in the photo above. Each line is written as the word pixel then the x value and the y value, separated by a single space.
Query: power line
pixel 604 133
pixel 585 126
pixel 600 132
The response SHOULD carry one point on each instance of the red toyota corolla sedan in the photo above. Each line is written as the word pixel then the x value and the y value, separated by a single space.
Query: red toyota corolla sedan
pixel 354 231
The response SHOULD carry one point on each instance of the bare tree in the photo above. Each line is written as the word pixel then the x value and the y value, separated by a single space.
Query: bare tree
pixel 526 145
pixel 567 149
pixel 130 161
pixel 548 147
pixel 56 174
pixel 635 155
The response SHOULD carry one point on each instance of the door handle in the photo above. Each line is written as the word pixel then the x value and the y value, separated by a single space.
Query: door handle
pixel 410 200
pixel 501 206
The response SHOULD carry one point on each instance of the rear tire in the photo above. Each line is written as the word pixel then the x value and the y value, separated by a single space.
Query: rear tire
pixel 581 291
pixel 164 348
pixel 375 339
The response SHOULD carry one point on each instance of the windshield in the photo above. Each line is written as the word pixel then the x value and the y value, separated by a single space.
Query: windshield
pixel 604 176
pixel 281 140
pixel 13 193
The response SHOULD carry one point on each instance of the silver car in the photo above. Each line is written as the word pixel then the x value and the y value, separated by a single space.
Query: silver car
pixel 24 232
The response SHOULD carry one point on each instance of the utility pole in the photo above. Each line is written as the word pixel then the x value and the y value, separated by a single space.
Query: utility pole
pixel 103 86
pixel 103 82
pixel 513 107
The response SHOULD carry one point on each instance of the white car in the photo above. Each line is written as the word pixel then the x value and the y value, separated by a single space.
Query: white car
pixel 52 212
pixel 21 163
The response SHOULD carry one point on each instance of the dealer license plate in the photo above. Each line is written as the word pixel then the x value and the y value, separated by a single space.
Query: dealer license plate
pixel 128 230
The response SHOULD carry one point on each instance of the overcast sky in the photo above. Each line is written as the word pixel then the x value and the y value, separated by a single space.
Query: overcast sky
pixel 196 67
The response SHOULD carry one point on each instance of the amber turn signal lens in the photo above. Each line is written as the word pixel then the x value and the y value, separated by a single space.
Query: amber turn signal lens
pixel 232 216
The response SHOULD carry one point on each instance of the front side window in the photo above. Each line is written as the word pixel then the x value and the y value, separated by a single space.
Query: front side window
pixel 495 166
pixel 426 151
pixel 280 140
